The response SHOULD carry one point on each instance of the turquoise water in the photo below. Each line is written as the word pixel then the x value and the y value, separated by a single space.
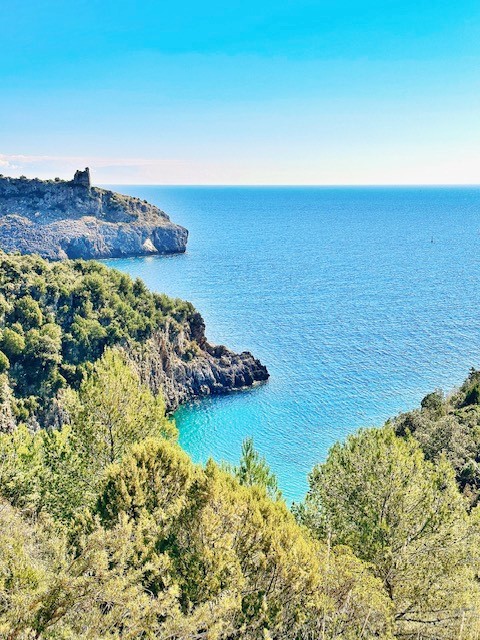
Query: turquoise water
pixel 340 291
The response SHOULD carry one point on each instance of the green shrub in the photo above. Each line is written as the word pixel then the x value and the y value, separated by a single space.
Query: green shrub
pixel 13 343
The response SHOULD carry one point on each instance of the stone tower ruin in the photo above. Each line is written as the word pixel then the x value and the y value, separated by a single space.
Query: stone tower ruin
pixel 82 178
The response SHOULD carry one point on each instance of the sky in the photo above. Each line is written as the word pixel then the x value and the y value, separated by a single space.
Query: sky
pixel 242 92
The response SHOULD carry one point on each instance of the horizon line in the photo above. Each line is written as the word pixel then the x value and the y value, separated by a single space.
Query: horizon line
pixel 310 185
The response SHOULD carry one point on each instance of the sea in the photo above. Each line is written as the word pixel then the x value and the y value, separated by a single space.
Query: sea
pixel 358 300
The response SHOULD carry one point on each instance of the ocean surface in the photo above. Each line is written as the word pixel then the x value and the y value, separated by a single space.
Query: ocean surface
pixel 358 300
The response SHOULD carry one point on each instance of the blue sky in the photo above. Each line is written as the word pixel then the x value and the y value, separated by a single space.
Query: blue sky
pixel 244 92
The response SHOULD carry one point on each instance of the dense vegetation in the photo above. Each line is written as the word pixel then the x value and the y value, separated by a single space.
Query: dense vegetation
pixel 57 318
pixel 449 426
pixel 108 529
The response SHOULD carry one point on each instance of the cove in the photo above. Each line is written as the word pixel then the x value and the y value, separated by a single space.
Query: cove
pixel 359 301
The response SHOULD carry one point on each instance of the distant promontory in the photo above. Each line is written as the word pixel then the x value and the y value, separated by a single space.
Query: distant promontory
pixel 61 219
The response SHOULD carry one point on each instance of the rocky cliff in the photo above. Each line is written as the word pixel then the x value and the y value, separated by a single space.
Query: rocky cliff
pixel 61 219
pixel 179 362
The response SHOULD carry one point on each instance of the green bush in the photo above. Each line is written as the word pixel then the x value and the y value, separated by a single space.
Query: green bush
pixel 27 311
pixel 13 343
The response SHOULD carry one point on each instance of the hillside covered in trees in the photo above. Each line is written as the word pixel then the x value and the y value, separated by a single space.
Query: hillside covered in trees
pixel 109 530
pixel 56 319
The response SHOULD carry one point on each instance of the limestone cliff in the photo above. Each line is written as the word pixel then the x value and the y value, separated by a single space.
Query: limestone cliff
pixel 61 219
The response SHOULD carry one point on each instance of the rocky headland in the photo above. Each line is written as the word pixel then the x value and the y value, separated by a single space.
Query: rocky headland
pixel 179 362
pixel 60 219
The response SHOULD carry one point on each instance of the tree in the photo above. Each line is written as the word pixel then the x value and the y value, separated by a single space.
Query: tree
pixel 4 363
pixel 377 494
pixel 115 411
pixel 13 342
pixel 243 567
pixel 154 478
pixel 471 388
pixel 50 591
pixel 20 468
pixel 7 419
pixel 28 312
pixel 66 485
pixel 254 470
pixel 433 402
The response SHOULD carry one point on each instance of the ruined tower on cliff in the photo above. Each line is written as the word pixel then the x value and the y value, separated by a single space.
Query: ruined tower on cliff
pixel 82 178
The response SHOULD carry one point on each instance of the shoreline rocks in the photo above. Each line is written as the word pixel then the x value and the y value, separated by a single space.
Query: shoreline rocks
pixel 184 366
pixel 71 219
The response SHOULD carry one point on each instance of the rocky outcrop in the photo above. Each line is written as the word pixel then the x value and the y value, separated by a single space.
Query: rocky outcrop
pixel 179 362
pixel 61 219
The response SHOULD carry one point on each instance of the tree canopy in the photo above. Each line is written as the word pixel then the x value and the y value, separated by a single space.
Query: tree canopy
pixel 377 494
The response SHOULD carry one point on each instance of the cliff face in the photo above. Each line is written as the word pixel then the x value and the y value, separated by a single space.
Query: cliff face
pixel 71 219
pixel 179 362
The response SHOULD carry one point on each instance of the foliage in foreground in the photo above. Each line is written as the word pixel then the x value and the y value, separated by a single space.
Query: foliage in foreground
pixel 171 550
pixel 108 530
pixel 142 543
pixel 377 494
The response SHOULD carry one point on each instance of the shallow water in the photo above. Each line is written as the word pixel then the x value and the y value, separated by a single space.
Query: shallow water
pixel 358 300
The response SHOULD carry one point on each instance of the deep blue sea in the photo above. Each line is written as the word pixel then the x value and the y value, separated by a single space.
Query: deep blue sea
pixel 358 300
